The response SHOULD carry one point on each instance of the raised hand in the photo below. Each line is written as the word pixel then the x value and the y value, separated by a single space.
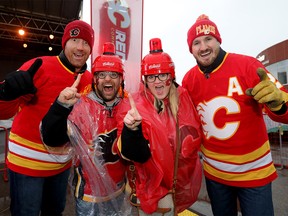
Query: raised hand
pixel 267 92
pixel 69 96
pixel 20 82
pixel 132 118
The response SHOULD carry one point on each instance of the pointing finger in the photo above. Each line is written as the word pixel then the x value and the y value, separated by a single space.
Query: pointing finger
pixel 132 102
pixel 263 77
pixel 262 74
pixel 132 118
pixel 133 111
pixel 77 81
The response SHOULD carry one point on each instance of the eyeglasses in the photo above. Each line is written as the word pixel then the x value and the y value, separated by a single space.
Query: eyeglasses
pixel 112 75
pixel 161 77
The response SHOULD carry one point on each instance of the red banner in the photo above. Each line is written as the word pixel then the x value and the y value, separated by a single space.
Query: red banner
pixel 120 22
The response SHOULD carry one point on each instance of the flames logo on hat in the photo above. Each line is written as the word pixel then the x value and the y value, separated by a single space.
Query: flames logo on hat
pixel 207 31
pixel 74 32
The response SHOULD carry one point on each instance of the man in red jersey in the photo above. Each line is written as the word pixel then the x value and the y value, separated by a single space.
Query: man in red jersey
pixel 230 97
pixel 99 172
pixel 37 180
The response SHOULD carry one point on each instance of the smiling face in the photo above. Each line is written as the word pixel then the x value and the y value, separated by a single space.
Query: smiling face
pixel 107 85
pixel 205 49
pixel 160 89
pixel 77 52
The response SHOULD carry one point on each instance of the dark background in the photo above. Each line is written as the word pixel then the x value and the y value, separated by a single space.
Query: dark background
pixel 39 18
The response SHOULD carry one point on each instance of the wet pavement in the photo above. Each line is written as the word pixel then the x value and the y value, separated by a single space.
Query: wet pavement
pixel 201 207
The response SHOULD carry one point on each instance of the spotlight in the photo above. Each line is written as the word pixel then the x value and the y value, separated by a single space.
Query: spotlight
pixel 50 48
pixel 21 32
pixel 51 36
pixel 25 45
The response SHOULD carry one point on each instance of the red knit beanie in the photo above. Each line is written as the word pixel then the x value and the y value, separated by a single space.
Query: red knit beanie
pixel 202 26
pixel 78 29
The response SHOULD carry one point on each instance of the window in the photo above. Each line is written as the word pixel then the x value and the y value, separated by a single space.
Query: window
pixel 282 77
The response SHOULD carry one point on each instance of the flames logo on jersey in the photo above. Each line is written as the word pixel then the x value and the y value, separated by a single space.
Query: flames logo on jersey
pixel 207 112
pixel 190 139
pixel 103 147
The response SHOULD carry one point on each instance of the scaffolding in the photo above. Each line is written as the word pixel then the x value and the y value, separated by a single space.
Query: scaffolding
pixel 278 138
pixel 3 167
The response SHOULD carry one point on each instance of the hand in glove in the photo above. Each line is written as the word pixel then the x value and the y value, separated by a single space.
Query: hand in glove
pixel 267 92
pixel 19 83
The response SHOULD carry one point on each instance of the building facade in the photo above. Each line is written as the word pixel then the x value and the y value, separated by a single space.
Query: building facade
pixel 275 59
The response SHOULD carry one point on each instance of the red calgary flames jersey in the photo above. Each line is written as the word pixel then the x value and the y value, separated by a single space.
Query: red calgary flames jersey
pixel 236 147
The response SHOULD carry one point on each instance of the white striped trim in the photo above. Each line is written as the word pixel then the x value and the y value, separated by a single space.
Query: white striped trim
pixel 267 159
pixel 33 154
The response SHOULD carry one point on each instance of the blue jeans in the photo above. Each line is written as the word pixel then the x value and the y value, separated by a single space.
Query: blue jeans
pixel 32 195
pixel 255 201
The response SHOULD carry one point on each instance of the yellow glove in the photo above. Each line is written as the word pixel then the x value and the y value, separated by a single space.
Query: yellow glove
pixel 267 92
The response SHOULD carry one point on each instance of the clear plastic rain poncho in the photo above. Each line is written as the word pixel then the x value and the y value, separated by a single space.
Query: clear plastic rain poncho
pixel 89 151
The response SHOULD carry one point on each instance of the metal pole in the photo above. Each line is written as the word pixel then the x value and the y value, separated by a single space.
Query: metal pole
pixel 280 142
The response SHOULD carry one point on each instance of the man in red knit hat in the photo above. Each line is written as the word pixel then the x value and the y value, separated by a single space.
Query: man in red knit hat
pixel 230 92
pixel 99 172
pixel 38 180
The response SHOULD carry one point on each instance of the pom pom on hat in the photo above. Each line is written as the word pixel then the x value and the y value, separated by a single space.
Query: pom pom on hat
pixel 202 26
pixel 78 29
